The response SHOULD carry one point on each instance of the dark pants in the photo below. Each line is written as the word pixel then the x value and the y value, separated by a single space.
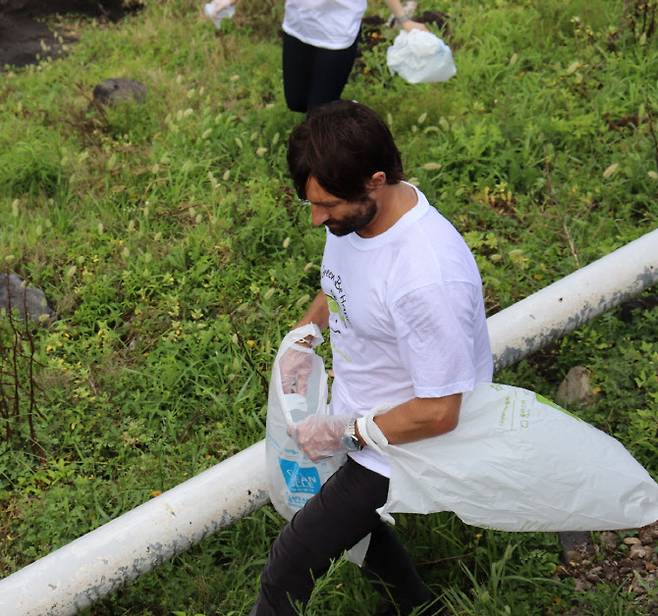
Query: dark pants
pixel 332 521
pixel 313 76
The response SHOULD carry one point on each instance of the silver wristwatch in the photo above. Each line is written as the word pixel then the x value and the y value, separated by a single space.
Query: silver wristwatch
pixel 349 440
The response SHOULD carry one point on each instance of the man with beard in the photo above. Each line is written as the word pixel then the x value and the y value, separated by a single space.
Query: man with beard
pixel 402 297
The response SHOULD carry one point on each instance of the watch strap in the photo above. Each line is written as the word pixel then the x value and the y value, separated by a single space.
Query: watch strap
pixel 350 432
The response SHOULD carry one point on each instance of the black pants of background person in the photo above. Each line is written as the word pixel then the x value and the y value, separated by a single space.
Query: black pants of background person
pixel 313 76
pixel 334 520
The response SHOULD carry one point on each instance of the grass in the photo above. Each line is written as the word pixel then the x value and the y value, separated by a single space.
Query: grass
pixel 168 240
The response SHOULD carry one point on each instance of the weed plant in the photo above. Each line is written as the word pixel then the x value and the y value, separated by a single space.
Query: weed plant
pixel 173 250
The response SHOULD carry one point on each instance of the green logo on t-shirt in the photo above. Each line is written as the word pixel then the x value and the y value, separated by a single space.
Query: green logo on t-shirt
pixel 334 308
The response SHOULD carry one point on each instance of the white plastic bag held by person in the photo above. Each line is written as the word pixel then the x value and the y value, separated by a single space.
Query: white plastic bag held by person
pixel 518 462
pixel 420 57
pixel 298 389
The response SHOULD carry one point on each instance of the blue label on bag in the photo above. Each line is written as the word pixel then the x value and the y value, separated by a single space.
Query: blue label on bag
pixel 298 479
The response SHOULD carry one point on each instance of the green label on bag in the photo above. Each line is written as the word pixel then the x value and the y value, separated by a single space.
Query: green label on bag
pixel 515 413
pixel 548 402
pixel 504 414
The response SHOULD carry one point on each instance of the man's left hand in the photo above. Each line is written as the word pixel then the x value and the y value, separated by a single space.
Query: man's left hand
pixel 320 436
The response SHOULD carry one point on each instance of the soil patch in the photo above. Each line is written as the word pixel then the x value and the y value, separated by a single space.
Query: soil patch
pixel 629 562
pixel 25 37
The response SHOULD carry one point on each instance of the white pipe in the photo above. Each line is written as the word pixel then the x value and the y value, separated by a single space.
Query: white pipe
pixel 80 573
pixel 94 565
pixel 566 304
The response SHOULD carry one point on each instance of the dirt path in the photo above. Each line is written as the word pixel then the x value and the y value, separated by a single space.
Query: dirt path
pixel 25 37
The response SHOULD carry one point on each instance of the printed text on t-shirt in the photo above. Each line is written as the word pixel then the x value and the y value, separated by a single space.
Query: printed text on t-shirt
pixel 338 294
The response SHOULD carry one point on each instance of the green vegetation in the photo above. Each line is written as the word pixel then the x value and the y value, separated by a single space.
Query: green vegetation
pixel 169 241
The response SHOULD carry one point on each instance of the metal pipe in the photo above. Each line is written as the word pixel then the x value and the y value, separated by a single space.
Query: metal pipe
pixel 99 562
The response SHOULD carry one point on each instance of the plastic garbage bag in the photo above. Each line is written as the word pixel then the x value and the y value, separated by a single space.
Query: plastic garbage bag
pixel 218 10
pixel 420 57
pixel 518 462
pixel 298 389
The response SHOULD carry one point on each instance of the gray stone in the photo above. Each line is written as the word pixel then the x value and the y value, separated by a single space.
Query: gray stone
pixel 119 90
pixel 26 300
pixel 639 551
pixel 610 540
pixel 576 545
pixel 576 388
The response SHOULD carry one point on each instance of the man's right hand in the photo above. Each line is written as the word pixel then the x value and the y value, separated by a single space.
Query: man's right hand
pixel 320 436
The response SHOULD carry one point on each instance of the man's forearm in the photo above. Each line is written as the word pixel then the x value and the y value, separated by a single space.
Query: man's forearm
pixel 420 418
pixel 318 312
pixel 395 6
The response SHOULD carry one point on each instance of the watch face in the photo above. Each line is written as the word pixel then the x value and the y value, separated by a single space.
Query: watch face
pixel 350 443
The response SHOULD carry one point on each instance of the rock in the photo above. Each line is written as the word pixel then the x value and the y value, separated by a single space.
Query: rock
pixel 638 588
pixel 576 388
pixel 575 546
pixel 582 585
pixel 648 534
pixel 638 551
pixel 27 301
pixel 632 541
pixel 119 90
pixel 609 540
pixel 592 577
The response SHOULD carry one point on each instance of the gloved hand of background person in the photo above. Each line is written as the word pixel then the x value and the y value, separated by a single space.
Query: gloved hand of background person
pixel 320 436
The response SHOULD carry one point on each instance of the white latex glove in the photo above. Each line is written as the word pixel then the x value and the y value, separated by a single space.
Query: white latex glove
pixel 320 436
pixel 296 367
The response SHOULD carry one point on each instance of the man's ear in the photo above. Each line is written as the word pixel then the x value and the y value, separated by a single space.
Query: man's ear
pixel 377 180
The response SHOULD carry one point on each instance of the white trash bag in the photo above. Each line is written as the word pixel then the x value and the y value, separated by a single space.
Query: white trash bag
pixel 518 462
pixel 420 57
pixel 298 389
pixel 219 10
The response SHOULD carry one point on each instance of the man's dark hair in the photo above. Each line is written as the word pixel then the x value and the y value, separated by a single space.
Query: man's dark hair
pixel 342 144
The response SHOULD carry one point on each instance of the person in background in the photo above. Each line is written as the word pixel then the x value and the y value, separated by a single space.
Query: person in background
pixel 402 297
pixel 320 40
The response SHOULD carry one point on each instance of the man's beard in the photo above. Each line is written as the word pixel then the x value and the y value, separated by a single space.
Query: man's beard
pixel 364 212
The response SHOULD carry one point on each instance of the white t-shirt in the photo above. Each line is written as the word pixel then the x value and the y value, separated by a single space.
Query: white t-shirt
pixel 329 24
pixel 406 316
